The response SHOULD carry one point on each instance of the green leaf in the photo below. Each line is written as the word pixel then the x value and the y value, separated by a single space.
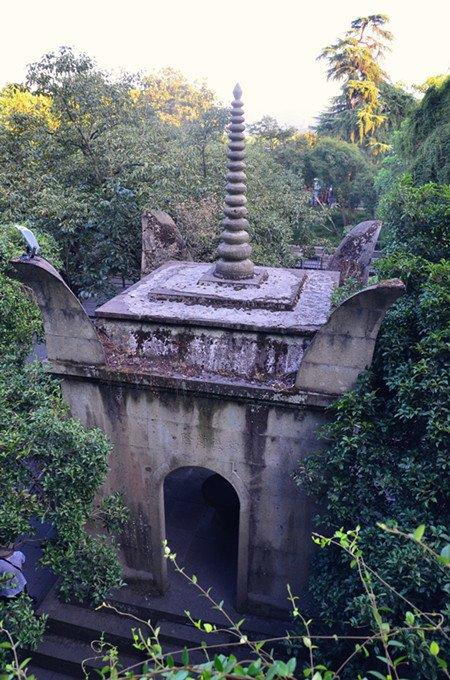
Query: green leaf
pixel 396 643
pixel 181 675
pixel 185 657
pixel 434 648
pixel 445 554
pixel 292 664
pixel 419 532
pixel 410 618
pixel 208 628
pixel 307 642
pixel 378 675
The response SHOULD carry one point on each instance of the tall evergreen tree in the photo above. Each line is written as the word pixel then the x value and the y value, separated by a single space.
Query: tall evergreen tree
pixel 358 113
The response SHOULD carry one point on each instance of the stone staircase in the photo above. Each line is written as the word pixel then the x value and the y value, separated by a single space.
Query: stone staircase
pixel 71 629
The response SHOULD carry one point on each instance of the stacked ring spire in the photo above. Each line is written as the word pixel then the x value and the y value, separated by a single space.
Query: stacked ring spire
pixel 234 249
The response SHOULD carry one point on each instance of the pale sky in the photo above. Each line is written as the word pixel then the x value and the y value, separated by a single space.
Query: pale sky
pixel 269 47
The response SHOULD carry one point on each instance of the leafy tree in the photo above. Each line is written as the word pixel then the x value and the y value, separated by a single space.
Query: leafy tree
pixel 174 98
pixel 361 111
pixel 271 132
pixel 431 81
pixel 396 105
pixel 70 177
pixel 204 130
pixel 425 140
pixel 417 218
pixel 85 172
pixel 344 167
pixel 52 467
pixel 19 105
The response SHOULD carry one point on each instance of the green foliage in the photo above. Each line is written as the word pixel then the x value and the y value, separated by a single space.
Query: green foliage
pixel 387 457
pixel 17 615
pixel 88 569
pixel 369 107
pixel 344 167
pixel 51 466
pixel 107 150
pixel 174 98
pixel 278 207
pixel 417 218
pixel 375 649
pixel 397 104
pixel 426 137
pixel 358 113
pixel 271 132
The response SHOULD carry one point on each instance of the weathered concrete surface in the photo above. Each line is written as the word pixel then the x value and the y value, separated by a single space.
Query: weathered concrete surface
pixel 353 256
pixel 344 346
pixel 191 351
pixel 179 321
pixel 255 446
pixel 161 241
pixel 194 373
pixel 287 301
pixel 69 333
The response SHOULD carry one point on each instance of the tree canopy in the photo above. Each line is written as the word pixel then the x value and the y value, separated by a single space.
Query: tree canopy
pixel 368 103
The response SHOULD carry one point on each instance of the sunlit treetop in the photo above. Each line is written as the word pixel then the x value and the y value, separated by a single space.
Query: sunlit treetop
pixel 18 105
pixel 173 98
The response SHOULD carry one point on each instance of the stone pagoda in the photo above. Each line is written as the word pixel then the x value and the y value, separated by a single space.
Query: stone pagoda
pixel 229 367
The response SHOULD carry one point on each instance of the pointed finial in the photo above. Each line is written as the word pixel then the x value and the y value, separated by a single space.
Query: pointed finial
pixel 237 92
pixel 234 249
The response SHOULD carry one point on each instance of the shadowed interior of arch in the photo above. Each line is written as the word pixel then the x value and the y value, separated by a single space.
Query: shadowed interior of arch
pixel 202 526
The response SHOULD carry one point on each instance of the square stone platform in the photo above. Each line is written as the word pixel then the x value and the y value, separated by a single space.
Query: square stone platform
pixel 285 300
pixel 183 322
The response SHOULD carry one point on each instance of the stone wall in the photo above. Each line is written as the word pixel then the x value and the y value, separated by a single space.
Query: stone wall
pixel 255 445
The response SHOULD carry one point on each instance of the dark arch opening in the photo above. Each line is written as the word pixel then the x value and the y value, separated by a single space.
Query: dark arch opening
pixel 202 527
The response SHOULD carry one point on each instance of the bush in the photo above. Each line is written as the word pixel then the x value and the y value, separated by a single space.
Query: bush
pixel 51 466
pixel 417 218
pixel 387 456
pixel 88 570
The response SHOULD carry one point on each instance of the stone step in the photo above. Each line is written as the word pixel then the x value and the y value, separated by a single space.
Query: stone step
pixel 176 628
pixel 87 624
pixel 45 674
pixel 58 653
pixel 82 623
pixel 165 609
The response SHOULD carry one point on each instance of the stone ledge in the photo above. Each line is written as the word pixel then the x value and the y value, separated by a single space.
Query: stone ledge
pixel 236 390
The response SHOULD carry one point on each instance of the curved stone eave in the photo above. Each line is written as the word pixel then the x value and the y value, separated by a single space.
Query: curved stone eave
pixel 344 346
pixel 69 334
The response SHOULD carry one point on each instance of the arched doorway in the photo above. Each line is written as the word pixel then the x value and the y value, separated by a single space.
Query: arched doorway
pixel 202 511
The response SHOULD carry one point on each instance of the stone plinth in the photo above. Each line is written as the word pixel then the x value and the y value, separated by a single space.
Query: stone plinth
pixel 180 320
